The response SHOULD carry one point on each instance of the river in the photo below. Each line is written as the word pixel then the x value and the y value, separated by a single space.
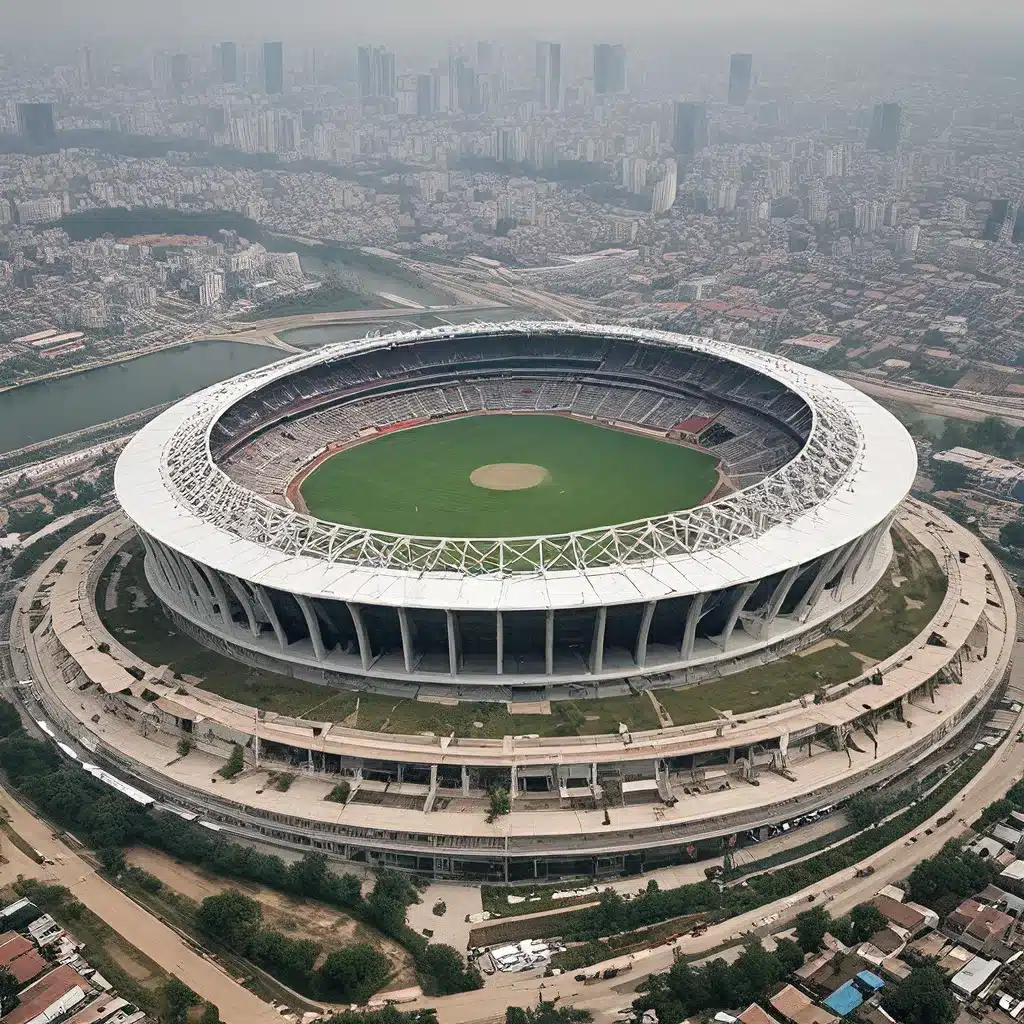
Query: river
pixel 37 412
pixel 375 282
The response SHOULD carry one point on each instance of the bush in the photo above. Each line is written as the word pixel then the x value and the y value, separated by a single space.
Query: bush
pixel 353 974
pixel 234 764
pixel 442 971
pixel 340 793
pixel 499 803
pixel 185 747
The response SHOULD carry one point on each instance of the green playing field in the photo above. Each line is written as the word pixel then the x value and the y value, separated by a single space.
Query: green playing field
pixel 572 475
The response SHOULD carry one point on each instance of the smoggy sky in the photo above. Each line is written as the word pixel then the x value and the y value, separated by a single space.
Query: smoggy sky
pixel 399 18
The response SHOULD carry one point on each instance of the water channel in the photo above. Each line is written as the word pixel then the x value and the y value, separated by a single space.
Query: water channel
pixel 37 412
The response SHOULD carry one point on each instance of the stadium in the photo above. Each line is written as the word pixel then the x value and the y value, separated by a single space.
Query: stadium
pixel 661 591
pixel 686 504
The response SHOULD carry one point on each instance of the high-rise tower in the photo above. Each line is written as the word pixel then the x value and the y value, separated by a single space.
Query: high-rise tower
pixel 740 65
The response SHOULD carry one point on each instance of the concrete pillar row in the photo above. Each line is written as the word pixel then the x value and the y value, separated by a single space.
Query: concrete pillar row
pixel 174 575
pixel 199 588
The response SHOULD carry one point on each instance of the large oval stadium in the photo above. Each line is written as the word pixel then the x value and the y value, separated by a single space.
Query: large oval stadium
pixel 660 592
pixel 523 509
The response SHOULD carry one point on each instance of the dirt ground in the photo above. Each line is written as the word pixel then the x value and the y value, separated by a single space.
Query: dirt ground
pixel 296 918
pixel 509 476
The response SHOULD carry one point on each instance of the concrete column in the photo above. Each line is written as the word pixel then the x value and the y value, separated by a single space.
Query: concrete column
pixel 465 781
pixel 185 591
pixel 268 608
pixel 313 625
pixel 853 562
pixel 153 560
pixel 871 547
pixel 200 590
pixel 453 642
pixel 167 571
pixel 778 598
pixel 549 641
pixel 825 571
pixel 514 786
pixel 219 595
pixel 500 642
pixel 734 613
pixel 407 650
pixel 597 644
pixel 640 653
pixel 690 630
pixel 242 595
pixel 365 653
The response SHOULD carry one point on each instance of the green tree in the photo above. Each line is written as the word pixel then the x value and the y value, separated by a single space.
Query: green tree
pixel 442 971
pixel 9 986
pixel 211 1015
pixel 942 881
pixel 866 919
pixel 179 999
pixel 547 1013
pixel 993 812
pixel 234 764
pixel 10 720
pixel 1011 535
pixel 353 974
pixel 948 476
pixel 921 998
pixel 499 803
pixel 231 919
pixel 811 926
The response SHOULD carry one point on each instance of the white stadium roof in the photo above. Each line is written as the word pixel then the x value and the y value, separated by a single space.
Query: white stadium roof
pixel 855 468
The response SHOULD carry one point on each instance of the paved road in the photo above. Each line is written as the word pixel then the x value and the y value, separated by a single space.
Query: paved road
pixel 138 926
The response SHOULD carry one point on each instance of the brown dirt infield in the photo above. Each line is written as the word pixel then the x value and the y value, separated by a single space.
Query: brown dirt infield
pixel 509 476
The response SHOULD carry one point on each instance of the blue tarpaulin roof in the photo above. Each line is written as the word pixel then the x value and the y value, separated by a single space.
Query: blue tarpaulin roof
pixel 845 999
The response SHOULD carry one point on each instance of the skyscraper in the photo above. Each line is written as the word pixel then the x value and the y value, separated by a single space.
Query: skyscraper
pixel 35 123
pixel 179 71
pixel 485 57
pixel 690 130
pixel 228 63
pixel 665 191
pixel 739 78
pixel 424 96
pixel 273 68
pixel 884 134
pixel 1001 221
pixel 609 68
pixel 549 75
pixel 376 70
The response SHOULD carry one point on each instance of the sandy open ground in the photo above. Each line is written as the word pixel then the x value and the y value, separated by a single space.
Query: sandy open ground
pixel 509 476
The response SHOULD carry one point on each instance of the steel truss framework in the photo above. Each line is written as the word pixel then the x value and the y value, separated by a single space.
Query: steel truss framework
pixel 826 465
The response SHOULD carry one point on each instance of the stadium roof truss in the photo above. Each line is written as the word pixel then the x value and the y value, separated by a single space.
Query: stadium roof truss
pixel 827 464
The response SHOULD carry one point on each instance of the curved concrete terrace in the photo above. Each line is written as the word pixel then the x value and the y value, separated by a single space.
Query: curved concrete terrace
pixel 763 770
